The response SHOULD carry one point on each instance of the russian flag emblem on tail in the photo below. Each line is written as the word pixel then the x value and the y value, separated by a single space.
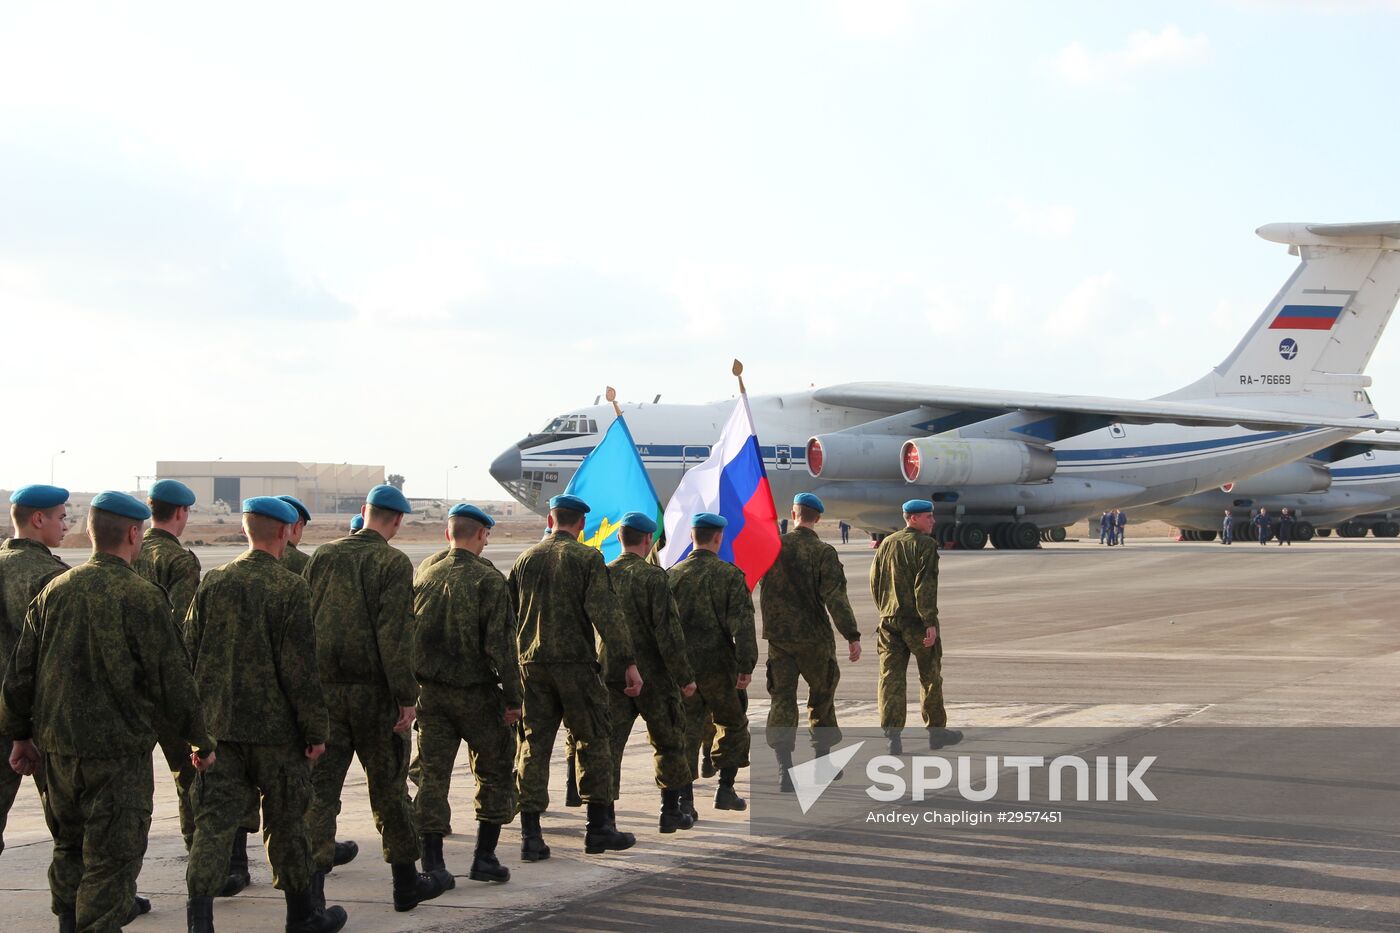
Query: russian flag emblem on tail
pixel 1306 317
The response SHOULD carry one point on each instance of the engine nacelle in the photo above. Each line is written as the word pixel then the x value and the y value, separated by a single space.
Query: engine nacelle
pixel 853 456
pixel 1290 479
pixel 941 461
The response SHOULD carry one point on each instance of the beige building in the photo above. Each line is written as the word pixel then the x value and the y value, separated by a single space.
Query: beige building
pixel 324 487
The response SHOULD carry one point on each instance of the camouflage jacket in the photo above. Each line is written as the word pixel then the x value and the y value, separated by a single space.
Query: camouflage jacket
pixel 464 629
pixel 904 577
pixel 25 566
pixel 562 593
pixel 295 559
pixel 647 606
pixel 253 647
pixel 97 661
pixel 362 601
pixel 805 583
pixel 171 566
pixel 433 559
pixel 716 613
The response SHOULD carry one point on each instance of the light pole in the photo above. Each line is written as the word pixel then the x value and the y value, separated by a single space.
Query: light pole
pixel 447 483
pixel 51 463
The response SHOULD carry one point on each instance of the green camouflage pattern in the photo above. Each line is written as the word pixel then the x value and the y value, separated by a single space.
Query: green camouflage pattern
pixel 279 775
pixel 447 717
pixel 804 585
pixel 464 633
pixel 295 559
pixel 904 584
pixel 171 566
pixel 814 662
pixel 653 625
pixel 562 593
pixel 362 601
pixel 899 640
pixel 571 694
pixel 904 577
pixel 660 706
pixel 718 696
pixel 433 558
pixel 716 613
pixel 250 638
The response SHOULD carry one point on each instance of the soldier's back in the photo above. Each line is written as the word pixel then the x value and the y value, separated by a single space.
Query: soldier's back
pixel 461 615
pixel 548 583
pixel 353 580
pixel 704 585
pixel 791 593
pixel 898 564
pixel 25 567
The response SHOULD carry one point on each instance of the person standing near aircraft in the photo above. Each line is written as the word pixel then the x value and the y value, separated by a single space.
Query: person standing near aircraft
pixel 845 530
pixel 805 585
pixel 1227 528
pixel 1261 526
pixel 1120 526
pixel 1285 528
pixel 1105 523
pixel 904 583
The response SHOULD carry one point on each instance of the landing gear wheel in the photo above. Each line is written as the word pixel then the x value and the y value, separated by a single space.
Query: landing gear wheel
pixel 1303 531
pixel 1387 530
pixel 1001 535
pixel 1205 536
pixel 972 537
pixel 1058 534
pixel 1024 536
pixel 944 535
pixel 1324 532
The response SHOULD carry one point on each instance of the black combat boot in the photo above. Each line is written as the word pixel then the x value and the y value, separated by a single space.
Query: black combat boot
pixel 688 803
pixel 784 756
pixel 139 905
pixel 318 890
pixel 896 743
pixel 532 847
pixel 707 764
pixel 433 863
pixel 199 914
pixel 412 887
pixel 345 853
pixel 824 767
pixel 238 877
pixel 941 738
pixel 673 817
pixel 571 797
pixel 485 865
pixel 68 923
pixel 602 835
pixel 727 798
pixel 304 916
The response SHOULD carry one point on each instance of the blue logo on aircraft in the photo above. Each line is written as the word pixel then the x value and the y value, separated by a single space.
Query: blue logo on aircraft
pixel 1288 348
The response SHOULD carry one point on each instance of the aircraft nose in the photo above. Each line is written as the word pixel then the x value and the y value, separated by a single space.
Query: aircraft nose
pixel 506 467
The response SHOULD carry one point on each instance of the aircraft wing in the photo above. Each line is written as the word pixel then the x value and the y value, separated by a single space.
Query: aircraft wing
pixel 899 396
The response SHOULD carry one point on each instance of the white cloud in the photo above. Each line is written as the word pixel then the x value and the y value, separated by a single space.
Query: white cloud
pixel 1144 51
pixel 1053 221
pixel 871 18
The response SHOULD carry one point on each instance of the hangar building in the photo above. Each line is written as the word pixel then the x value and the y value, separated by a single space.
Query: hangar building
pixel 324 487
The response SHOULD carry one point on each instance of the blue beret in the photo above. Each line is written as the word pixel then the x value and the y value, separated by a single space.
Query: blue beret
pixel 566 501
pixel 39 496
pixel 295 503
pixel 357 523
pixel 272 507
pixel 708 520
pixel 119 503
pixel 389 497
pixel 639 521
pixel 917 506
pixel 810 501
pixel 171 492
pixel 471 511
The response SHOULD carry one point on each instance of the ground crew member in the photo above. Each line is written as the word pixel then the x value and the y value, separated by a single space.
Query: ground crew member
pixel 1261 526
pixel 39 517
pixel 362 603
pixel 1227 528
pixel 468 669
pixel 649 610
pixel 1285 528
pixel 1105 522
pixel 253 648
pixel 716 613
pixel 562 594
pixel 804 585
pixel 173 567
pixel 97 661
pixel 1120 527
pixel 904 583
pixel 293 558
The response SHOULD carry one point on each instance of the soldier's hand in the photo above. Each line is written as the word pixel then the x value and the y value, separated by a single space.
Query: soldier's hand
pixel 688 690
pixel 744 681
pixel 24 757
pixel 202 764
pixel 314 752
pixel 513 714
pixel 406 716
pixel 930 636
pixel 854 652
pixel 634 681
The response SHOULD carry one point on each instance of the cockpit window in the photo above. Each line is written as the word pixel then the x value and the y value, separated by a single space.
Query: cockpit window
pixel 571 424
pixel 592 426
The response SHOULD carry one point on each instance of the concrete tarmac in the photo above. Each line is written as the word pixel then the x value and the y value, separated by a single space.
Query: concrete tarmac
pixel 1154 635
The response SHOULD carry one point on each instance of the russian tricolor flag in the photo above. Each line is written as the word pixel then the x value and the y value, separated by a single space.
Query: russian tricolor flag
pixel 732 483
pixel 1306 317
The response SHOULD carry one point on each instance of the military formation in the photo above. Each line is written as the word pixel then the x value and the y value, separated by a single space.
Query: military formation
pixel 262 680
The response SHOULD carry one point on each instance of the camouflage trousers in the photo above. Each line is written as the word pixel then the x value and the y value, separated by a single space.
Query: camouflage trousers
pixel 717 695
pixel 814 662
pixel 9 788
pixel 660 706
pixel 99 810
pixel 898 640
pixel 573 695
pixel 362 718
pixel 281 775
pixel 177 759
pixel 447 717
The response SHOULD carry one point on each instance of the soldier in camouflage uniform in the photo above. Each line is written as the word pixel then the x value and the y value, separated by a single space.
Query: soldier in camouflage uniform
pixel 171 566
pixel 293 558
pixel 804 585
pixel 644 596
pixel 362 601
pixel 468 669
pixel 716 613
pixel 253 647
pixel 562 594
pixel 98 660
pixel 904 584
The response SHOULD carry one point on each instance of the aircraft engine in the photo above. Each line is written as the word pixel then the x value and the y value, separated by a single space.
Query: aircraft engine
pixel 942 461
pixel 853 456
pixel 1289 479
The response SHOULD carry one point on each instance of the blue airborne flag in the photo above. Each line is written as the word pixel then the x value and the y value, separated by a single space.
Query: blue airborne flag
pixel 613 481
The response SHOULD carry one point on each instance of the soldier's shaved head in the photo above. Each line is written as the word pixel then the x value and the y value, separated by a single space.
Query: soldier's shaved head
pixel 567 518
pixel 707 538
pixel 111 532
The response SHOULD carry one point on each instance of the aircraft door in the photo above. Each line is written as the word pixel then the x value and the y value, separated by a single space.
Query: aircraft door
pixel 782 457
pixel 693 456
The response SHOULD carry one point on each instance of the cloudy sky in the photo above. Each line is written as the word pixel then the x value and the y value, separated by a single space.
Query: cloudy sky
pixel 335 232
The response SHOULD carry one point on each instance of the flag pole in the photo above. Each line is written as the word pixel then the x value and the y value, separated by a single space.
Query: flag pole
pixel 738 370
pixel 611 396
